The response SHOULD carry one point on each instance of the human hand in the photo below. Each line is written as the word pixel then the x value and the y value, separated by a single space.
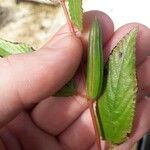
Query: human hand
pixel 29 80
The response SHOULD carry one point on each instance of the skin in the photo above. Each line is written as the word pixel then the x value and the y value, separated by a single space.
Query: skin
pixel 31 119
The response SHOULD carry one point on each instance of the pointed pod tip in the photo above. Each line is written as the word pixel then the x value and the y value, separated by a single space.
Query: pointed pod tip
pixel 133 33
pixel 134 30
pixel 96 18
pixel 96 21
pixel 97 24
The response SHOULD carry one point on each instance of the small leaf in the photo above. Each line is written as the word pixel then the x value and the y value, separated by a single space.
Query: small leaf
pixel 116 107
pixel 8 48
pixel 68 90
pixel 94 76
pixel 76 13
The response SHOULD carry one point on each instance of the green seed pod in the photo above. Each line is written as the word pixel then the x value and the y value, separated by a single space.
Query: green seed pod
pixel 94 76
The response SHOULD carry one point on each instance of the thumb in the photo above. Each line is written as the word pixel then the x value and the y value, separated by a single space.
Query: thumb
pixel 29 78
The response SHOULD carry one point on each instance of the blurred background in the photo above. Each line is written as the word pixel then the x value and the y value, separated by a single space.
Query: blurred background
pixel 123 11
pixel 35 22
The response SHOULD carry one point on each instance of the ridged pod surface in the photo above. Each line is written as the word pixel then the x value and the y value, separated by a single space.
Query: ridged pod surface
pixel 94 75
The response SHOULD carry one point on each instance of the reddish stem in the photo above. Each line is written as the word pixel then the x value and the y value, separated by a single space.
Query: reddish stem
pixel 83 77
pixel 62 2
pixel 97 136
pixel 90 106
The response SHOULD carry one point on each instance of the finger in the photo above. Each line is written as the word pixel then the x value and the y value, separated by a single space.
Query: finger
pixel 9 140
pixel 143 43
pixel 55 114
pixel 29 135
pixel 144 78
pixel 2 145
pixel 70 108
pixel 80 132
pixel 28 78
pixel 141 126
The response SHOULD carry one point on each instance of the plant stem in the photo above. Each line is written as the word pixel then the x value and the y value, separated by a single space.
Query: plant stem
pixel 62 2
pixel 98 143
pixel 97 136
pixel 90 106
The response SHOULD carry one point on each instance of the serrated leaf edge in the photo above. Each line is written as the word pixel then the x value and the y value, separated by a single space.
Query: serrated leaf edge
pixel 127 131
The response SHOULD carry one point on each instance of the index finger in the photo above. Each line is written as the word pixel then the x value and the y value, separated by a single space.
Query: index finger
pixel 29 78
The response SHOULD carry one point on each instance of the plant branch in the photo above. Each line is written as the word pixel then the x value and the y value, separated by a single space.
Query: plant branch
pixel 62 2
pixel 90 106
pixel 97 136
pixel 90 102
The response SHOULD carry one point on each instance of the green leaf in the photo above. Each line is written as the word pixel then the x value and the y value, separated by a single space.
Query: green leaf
pixel 116 107
pixel 68 90
pixel 76 13
pixel 94 76
pixel 8 48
